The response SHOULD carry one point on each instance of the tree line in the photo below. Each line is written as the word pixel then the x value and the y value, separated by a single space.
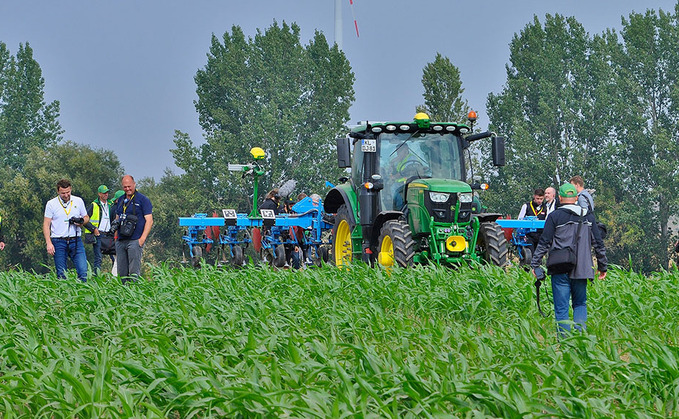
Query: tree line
pixel 602 106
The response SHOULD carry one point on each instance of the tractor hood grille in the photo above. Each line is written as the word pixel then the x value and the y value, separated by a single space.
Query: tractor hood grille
pixel 444 212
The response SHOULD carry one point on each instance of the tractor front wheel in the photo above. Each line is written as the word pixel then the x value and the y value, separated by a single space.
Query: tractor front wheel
pixel 395 245
pixel 492 244
pixel 342 249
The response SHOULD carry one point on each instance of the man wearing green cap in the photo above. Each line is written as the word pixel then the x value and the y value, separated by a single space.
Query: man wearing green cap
pixel 571 226
pixel 98 231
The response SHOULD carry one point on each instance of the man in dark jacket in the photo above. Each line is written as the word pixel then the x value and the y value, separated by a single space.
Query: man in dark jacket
pixel 560 232
pixel 271 201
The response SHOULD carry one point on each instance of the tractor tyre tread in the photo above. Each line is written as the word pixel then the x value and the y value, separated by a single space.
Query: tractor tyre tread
pixel 493 243
pixel 402 241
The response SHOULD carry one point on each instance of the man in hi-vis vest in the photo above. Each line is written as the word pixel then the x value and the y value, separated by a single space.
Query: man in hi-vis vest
pixel 100 218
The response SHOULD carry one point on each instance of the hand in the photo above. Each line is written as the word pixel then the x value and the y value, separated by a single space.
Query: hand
pixel 96 232
pixel 142 240
pixel 602 275
pixel 50 249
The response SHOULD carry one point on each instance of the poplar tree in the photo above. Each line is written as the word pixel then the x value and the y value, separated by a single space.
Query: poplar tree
pixel 26 120
pixel 272 92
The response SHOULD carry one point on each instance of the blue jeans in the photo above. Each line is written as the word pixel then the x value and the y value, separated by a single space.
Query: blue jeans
pixel 75 249
pixel 564 289
pixel 96 247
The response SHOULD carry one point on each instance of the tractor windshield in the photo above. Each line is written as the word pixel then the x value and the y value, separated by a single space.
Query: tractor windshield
pixel 403 157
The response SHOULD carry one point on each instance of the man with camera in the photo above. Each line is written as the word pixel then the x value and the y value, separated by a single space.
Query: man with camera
pixel 133 224
pixel 64 217
pixel 569 234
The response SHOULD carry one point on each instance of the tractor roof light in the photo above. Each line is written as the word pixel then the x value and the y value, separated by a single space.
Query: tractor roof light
pixel 450 128
pixel 404 127
pixel 438 128
pixel 422 120
pixel 257 153
pixel 472 116
pixel 391 127
pixel 376 130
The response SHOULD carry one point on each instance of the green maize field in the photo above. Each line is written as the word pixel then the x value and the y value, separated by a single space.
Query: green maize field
pixel 363 342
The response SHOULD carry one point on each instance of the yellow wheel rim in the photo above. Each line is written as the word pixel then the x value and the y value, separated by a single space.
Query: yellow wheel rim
pixel 343 247
pixel 386 256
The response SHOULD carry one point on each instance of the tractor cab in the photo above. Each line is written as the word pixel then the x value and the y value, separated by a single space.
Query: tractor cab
pixel 408 171
pixel 404 157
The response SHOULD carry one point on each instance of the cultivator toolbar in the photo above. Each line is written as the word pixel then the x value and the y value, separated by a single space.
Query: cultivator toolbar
pixel 270 234
pixel 516 232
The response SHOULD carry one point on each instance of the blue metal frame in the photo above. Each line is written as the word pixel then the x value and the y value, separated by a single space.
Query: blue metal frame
pixel 308 216
pixel 521 228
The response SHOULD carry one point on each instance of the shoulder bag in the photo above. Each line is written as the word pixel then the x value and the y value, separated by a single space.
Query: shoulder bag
pixel 560 261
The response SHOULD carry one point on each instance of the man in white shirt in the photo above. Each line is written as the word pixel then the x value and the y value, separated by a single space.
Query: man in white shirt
pixel 64 215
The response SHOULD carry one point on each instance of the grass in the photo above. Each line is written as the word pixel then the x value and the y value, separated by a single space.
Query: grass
pixel 331 343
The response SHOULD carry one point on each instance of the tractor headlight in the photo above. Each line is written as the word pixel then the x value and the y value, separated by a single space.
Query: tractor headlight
pixel 464 198
pixel 438 197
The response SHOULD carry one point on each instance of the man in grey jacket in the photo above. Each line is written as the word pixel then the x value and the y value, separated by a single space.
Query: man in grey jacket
pixel 585 198
pixel 560 230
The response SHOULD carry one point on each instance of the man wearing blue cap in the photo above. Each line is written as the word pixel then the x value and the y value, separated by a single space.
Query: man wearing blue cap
pixel 570 227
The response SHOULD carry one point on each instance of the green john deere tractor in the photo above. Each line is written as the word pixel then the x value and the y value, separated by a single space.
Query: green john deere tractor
pixel 407 200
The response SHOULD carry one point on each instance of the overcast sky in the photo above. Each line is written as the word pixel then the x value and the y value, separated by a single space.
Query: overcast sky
pixel 123 70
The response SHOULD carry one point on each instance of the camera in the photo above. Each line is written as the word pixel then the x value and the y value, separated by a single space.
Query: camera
pixel 540 274
pixel 115 224
pixel 76 220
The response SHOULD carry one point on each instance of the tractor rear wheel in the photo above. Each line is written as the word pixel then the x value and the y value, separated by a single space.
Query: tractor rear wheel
pixel 342 248
pixel 492 244
pixel 395 245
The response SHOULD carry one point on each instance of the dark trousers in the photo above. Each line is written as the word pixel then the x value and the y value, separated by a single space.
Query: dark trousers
pixel 96 248
pixel 129 255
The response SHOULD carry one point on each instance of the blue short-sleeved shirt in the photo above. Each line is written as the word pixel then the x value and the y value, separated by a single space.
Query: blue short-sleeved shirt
pixel 140 206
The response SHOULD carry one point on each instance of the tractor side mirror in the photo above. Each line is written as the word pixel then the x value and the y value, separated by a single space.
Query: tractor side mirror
pixel 343 152
pixel 498 151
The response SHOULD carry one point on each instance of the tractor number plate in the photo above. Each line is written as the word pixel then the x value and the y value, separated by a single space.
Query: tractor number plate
pixel 369 146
